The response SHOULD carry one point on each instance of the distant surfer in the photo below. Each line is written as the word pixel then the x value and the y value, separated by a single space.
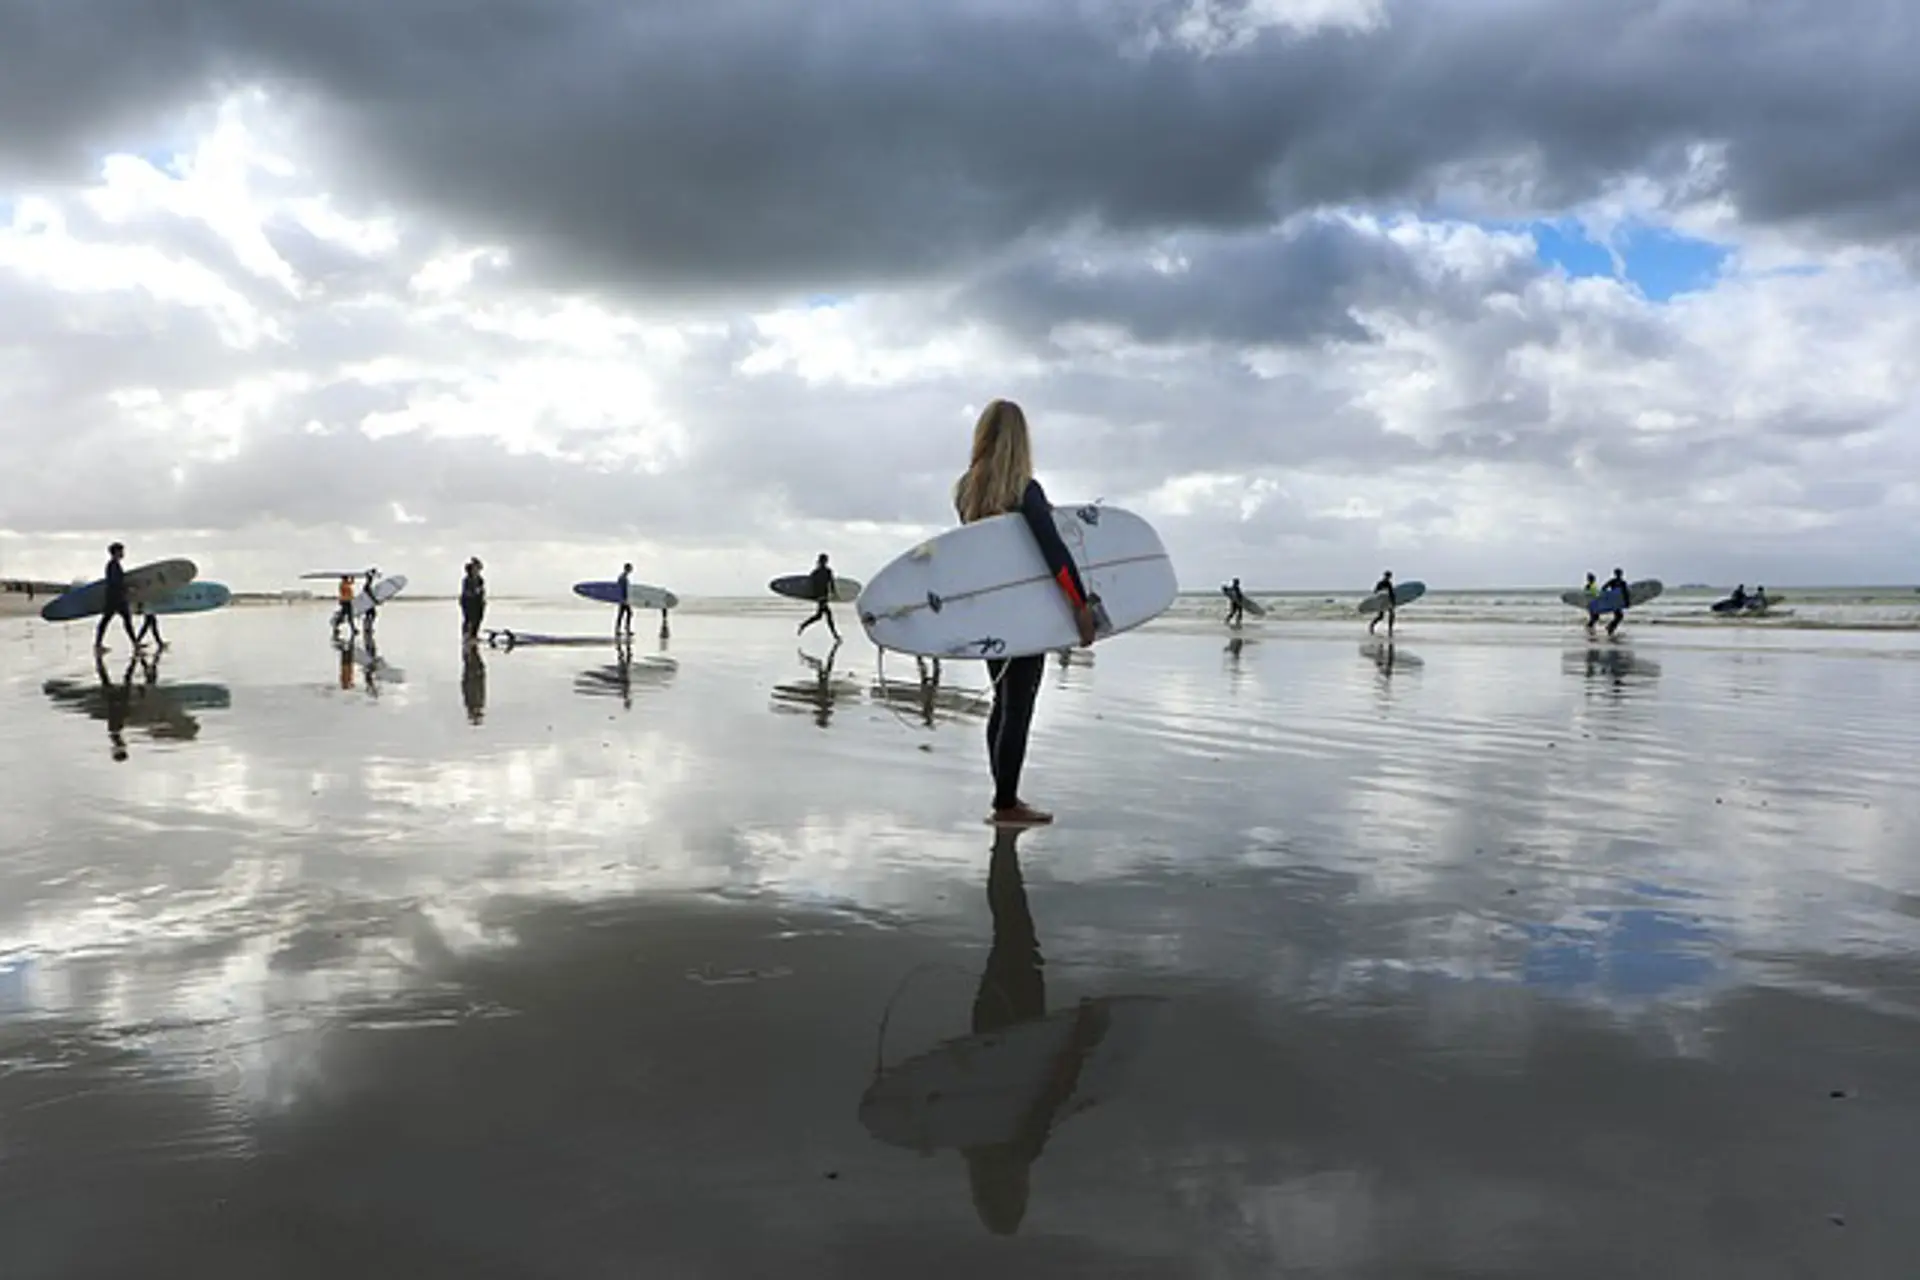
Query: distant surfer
pixel 1592 593
pixel 1739 597
pixel 820 584
pixel 623 617
pixel 373 575
pixel 999 479
pixel 1236 604
pixel 473 601
pixel 345 612
pixel 115 603
pixel 1384 587
pixel 1758 601
pixel 1618 582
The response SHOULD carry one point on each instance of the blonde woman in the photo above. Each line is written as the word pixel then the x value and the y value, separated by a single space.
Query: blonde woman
pixel 999 480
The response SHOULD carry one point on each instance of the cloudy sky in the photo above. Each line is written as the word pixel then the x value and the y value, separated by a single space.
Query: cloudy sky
pixel 1490 291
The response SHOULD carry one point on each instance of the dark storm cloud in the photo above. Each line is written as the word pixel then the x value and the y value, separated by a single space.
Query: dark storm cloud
pixel 741 142
pixel 1297 285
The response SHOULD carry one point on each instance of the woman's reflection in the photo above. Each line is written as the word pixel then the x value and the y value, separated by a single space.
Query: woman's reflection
pixel 996 1095
pixel 1013 990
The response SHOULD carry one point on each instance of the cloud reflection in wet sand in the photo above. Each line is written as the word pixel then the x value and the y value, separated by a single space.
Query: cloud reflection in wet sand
pixel 1536 965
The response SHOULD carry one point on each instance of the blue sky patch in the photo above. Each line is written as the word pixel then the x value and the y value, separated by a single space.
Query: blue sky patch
pixel 1658 262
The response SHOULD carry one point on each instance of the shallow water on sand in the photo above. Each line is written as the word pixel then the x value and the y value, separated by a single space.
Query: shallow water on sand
pixel 1482 955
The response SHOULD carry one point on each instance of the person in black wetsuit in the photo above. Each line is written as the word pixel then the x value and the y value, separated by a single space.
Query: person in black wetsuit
pixel 623 617
pixel 149 623
pixel 116 603
pixel 366 623
pixel 1618 582
pixel 820 581
pixel 999 479
pixel 1236 604
pixel 473 602
pixel 1384 585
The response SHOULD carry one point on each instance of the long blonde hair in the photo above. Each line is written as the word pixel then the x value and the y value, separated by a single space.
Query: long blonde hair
pixel 1001 466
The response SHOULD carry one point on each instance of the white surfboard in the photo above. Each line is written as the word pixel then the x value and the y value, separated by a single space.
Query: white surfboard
pixel 984 591
pixel 384 589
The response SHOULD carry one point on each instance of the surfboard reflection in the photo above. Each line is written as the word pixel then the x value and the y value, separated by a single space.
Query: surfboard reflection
pixel 138 700
pixel 362 666
pixel 819 695
pixel 625 676
pixel 929 697
pixel 997 1095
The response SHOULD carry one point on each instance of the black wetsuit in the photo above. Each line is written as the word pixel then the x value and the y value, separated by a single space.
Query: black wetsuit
pixel 623 617
pixel 1236 606
pixel 473 604
pixel 1617 583
pixel 1016 681
pixel 1386 585
pixel 820 583
pixel 116 605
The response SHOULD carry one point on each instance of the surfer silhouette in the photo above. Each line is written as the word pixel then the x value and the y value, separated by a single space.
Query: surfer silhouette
pixel 473 602
pixel 820 582
pixel 115 603
pixel 1384 585
pixel 1618 582
pixel 623 617
pixel 998 480
pixel 149 623
pixel 1236 604
pixel 373 607
pixel 345 612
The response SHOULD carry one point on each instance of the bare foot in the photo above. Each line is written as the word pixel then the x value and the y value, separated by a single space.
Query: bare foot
pixel 1020 815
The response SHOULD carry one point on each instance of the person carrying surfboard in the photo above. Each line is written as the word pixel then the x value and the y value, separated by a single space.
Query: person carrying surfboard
pixel 345 612
pixel 1384 587
pixel 623 616
pixel 116 602
pixel 1592 592
pixel 998 480
pixel 1618 582
pixel 373 604
pixel 821 582
pixel 1236 604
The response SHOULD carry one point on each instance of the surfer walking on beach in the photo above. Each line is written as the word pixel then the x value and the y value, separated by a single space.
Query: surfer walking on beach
pixel 1592 593
pixel 820 582
pixel 1618 582
pixel 623 617
pixel 373 607
pixel 115 603
pixel 1384 587
pixel 1236 604
pixel 998 480
pixel 149 623
pixel 473 602
pixel 345 612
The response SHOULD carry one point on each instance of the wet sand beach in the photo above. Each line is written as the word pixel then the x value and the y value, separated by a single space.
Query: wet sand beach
pixel 1490 952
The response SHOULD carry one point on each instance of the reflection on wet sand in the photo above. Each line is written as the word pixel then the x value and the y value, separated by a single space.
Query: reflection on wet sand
pixel 473 683
pixel 997 1095
pixel 1389 657
pixel 625 675
pixel 164 711
pixel 361 658
pixel 820 695
pixel 1610 662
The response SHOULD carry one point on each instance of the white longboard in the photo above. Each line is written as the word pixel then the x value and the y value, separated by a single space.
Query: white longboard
pixel 984 591
pixel 384 589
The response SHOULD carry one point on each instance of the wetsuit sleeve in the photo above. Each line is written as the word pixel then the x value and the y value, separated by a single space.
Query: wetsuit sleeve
pixel 1039 515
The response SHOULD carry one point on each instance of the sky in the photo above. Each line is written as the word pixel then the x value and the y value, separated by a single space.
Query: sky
pixel 1488 292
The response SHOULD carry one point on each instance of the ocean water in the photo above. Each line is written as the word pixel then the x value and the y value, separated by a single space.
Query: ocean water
pixel 1492 951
